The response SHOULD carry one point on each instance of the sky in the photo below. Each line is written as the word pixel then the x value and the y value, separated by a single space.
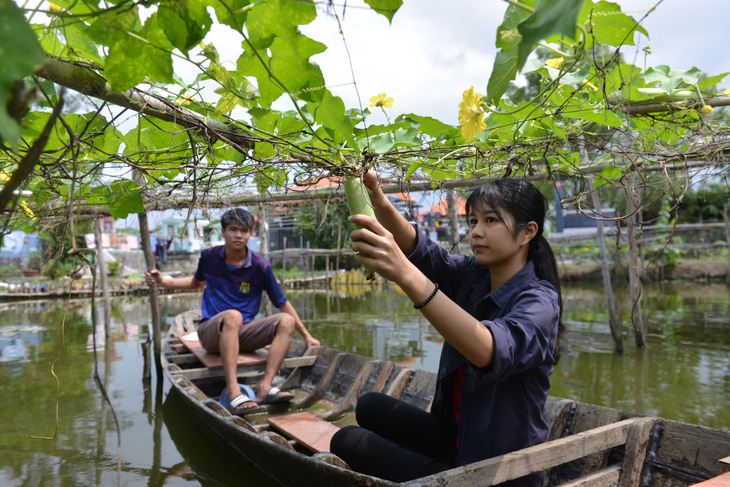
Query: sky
pixel 434 50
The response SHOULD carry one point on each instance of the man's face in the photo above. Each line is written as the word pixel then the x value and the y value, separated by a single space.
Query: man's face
pixel 236 235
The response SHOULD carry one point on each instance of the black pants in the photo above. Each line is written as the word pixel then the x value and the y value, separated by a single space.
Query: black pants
pixel 395 441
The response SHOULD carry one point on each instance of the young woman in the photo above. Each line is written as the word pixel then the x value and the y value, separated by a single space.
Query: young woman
pixel 499 312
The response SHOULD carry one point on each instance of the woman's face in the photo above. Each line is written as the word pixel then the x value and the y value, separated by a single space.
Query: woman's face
pixel 491 237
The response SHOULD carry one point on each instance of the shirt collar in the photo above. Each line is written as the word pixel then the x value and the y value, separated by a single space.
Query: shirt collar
pixel 248 263
pixel 502 294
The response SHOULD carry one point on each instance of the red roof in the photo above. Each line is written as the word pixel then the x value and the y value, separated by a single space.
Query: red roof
pixel 442 207
pixel 404 197
pixel 319 183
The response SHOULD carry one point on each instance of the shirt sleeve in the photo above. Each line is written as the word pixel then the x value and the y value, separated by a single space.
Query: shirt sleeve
pixel 273 289
pixel 202 261
pixel 437 264
pixel 526 336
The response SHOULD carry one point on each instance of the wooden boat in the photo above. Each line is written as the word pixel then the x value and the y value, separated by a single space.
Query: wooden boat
pixel 588 445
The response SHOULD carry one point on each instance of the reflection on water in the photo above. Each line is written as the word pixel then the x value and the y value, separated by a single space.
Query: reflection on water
pixel 683 375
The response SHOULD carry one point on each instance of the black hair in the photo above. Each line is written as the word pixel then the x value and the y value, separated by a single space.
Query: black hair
pixel 238 215
pixel 524 203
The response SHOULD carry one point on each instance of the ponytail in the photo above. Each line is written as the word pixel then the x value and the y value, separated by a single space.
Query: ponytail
pixel 546 268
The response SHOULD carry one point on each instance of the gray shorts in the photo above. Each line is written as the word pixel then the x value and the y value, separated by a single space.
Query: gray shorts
pixel 252 335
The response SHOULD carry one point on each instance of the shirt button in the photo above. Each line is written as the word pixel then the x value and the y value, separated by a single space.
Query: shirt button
pixel 443 371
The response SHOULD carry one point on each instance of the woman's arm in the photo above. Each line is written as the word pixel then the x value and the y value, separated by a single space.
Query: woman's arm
pixel 386 257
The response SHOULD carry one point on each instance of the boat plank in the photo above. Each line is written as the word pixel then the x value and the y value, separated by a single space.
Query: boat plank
pixel 307 429
pixel 348 402
pixel 244 370
pixel 599 460
pixel 213 360
pixel 637 445
pixel 687 448
pixel 536 458
pixel 719 481
pixel 606 477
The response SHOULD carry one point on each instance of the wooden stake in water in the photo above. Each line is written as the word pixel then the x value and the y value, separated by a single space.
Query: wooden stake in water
pixel 149 258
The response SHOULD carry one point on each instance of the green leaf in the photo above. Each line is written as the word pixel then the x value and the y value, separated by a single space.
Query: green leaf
pixel 588 113
pixel 431 126
pixel 182 31
pixel 227 102
pixel 232 13
pixel 380 144
pixel 121 198
pixel 610 25
pixel 20 55
pixel 135 55
pixel 550 17
pixel 505 64
pixel 330 112
pixel 504 71
pixel 669 79
pixel 273 26
pixel 607 174
pixel 387 8
pixel 711 81
pixel 413 168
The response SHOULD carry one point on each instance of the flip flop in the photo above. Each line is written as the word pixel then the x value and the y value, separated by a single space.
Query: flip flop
pixel 237 401
pixel 247 395
pixel 276 396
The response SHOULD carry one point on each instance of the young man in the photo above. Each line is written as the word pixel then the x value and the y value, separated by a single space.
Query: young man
pixel 234 279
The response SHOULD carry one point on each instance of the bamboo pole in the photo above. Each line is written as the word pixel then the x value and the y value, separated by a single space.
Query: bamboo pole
pixel 283 260
pixel 453 221
pixel 149 258
pixel 634 271
pixel 613 319
pixel 104 278
pixel 727 239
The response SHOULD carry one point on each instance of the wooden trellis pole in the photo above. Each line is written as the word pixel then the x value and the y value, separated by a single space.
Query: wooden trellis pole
pixel 149 257
pixel 632 210
pixel 104 278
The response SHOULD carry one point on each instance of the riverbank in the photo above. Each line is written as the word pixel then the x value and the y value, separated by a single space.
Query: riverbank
pixel 705 269
pixel 699 269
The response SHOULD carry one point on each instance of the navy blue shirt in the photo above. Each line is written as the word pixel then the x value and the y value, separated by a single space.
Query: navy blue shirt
pixel 502 407
pixel 240 288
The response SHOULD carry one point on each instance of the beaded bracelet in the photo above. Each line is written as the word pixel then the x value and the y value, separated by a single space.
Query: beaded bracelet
pixel 428 299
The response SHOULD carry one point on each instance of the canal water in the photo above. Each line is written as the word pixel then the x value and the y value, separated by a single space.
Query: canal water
pixel 683 374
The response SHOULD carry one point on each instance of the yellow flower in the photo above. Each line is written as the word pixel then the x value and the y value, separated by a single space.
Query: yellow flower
pixel 4 176
pixel 27 209
pixel 556 62
pixel 586 82
pixel 471 114
pixel 54 8
pixel 381 101
pixel 726 92
pixel 707 109
pixel 184 100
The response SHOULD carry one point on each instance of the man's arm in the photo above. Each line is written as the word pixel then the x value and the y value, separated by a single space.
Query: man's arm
pixel 188 283
pixel 308 339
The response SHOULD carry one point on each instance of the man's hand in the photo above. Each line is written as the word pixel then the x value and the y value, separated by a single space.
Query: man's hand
pixel 153 276
pixel 311 341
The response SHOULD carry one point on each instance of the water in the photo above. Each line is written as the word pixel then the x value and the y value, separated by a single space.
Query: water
pixel 683 374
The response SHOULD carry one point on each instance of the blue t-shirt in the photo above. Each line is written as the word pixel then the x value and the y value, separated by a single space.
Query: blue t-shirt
pixel 240 288
pixel 502 406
